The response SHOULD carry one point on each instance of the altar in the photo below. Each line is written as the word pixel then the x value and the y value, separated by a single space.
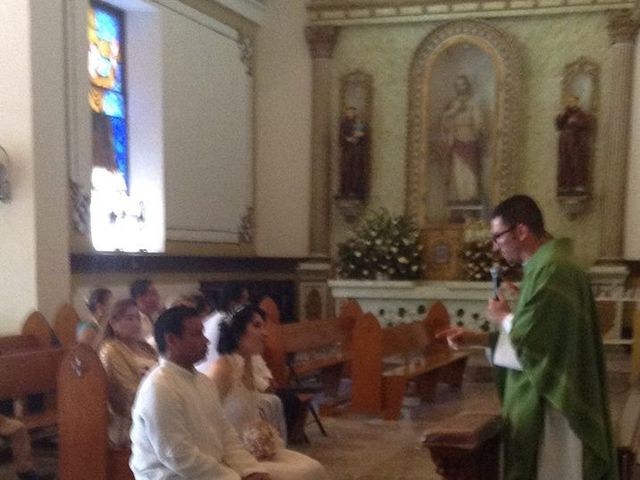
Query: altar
pixel 402 301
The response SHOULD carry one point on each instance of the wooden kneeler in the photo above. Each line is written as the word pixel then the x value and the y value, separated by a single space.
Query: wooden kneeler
pixel 466 446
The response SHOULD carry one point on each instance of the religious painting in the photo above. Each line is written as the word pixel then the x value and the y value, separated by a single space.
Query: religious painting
pixel 441 254
pixel 462 93
pixel 462 123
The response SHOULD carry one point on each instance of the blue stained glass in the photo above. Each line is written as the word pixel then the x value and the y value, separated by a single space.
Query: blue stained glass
pixel 107 25
pixel 106 73
pixel 113 104
pixel 105 52
pixel 119 127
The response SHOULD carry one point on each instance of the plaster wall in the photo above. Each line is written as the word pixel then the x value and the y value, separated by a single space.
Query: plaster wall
pixel 546 43
pixel 34 271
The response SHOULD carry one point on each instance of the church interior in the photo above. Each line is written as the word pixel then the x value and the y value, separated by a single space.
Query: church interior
pixel 339 159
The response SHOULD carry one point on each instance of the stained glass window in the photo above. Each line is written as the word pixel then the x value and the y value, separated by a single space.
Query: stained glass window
pixel 107 97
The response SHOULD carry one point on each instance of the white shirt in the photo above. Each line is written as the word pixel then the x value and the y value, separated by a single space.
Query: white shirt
pixel 179 431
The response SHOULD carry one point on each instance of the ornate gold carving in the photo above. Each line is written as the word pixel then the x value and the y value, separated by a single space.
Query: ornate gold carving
pixel 505 56
pixel 321 40
pixel 358 12
pixel 245 233
pixel 622 27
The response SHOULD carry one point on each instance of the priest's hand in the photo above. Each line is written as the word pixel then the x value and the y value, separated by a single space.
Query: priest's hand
pixel 457 337
pixel 498 309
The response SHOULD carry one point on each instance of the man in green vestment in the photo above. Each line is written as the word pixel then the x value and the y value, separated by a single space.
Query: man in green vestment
pixel 553 389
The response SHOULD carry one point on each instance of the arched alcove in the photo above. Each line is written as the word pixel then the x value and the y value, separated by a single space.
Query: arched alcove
pixel 486 60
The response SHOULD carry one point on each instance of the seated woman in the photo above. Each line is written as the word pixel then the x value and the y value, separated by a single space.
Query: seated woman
pixel 126 359
pixel 89 331
pixel 241 338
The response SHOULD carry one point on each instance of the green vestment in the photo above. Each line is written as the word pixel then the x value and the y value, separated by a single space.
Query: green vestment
pixel 556 335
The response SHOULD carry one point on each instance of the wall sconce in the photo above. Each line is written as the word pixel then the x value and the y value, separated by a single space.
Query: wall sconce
pixel 5 186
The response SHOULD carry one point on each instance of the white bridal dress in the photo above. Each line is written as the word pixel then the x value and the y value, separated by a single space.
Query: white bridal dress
pixel 241 409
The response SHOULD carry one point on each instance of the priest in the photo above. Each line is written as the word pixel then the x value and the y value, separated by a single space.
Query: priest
pixel 549 356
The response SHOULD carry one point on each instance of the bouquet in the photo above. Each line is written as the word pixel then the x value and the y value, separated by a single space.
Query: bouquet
pixel 261 440
pixel 382 246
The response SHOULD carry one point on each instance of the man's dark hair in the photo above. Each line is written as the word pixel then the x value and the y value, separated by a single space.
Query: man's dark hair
pixel 231 292
pixel 521 209
pixel 139 287
pixel 99 296
pixel 171 321
pixel 232 330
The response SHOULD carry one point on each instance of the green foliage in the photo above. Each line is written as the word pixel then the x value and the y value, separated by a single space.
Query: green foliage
pixel 382 244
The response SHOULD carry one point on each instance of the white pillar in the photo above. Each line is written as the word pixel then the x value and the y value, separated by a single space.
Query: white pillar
pixel 622 30
pixel 321 43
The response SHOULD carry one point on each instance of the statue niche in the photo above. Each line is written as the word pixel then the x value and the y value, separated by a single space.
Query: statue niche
pixel 463 90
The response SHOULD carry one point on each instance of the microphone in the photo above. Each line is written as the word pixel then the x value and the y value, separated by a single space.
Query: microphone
pixel 496 279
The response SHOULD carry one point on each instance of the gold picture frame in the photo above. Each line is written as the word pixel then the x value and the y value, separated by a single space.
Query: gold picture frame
pixel 442 244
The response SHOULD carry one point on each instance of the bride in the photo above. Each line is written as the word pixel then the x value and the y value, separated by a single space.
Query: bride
pixel 242 337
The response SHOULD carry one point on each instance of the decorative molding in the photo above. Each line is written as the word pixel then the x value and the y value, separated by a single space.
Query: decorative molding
pixel 573 205
pixel 245 234
pixel 321 40
pixel 362 12
pixel 350 208
pixel 622 27
pixel 141 262
pixel 80 205
pixel 245 44
pixel 582 66
pixel 503 51
pixel 253 10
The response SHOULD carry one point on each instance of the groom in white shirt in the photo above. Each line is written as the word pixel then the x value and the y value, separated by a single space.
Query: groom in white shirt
pixel 179 431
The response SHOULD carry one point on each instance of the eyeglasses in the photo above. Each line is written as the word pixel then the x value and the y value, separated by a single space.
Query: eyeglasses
pixel 496 236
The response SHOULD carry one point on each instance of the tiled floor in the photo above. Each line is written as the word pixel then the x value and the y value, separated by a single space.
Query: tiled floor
pixel 367 448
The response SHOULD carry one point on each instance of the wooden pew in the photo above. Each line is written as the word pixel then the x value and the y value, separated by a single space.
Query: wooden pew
pixel 385 360
pixel 65 323
pixel 31 372
pixel 296 350
pixel 36 334
pixel 83 419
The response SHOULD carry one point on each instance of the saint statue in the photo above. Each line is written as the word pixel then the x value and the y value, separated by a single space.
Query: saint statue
pixel 354 160
pixel 460 141
pixel 574 142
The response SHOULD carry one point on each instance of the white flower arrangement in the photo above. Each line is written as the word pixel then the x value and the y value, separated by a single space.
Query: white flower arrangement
pixel 382 245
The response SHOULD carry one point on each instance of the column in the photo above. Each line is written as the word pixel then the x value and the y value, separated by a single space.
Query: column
pixel 321 42
pixel 622 30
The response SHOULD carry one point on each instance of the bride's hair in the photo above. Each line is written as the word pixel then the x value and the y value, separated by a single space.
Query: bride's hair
pixel 234 327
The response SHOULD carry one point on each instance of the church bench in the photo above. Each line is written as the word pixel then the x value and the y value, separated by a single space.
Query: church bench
pixel 31 372
pixel 297 350
pixel 83 419
pixel 36 334
pixel 386 360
